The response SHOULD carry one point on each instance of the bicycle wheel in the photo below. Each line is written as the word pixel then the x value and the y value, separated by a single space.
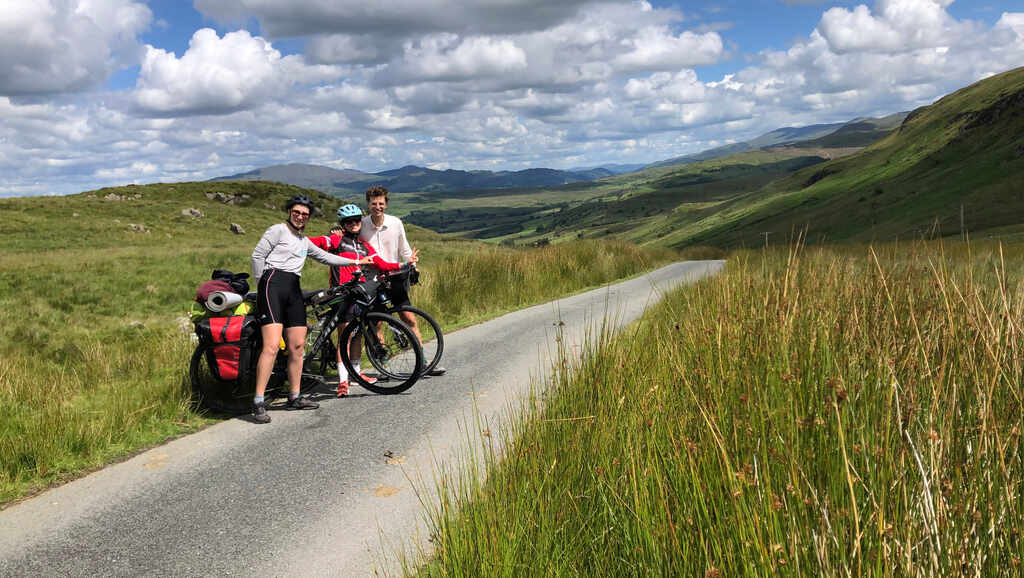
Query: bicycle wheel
pixel 432 340
pixel 226 396
pixel 396 354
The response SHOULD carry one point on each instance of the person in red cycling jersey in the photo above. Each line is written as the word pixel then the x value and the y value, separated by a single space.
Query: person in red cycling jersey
pixel 345 242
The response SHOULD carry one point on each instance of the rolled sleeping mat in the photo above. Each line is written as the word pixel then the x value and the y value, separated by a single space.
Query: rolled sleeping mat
pixel 218 301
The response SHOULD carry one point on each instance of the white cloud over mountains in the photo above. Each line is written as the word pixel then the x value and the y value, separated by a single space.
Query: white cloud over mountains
pixel 445 83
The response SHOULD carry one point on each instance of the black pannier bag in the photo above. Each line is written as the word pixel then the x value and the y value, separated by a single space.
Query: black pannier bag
pixel 238 281
pixel 233 343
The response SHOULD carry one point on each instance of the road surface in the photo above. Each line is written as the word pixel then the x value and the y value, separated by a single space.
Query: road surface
pixel 331 492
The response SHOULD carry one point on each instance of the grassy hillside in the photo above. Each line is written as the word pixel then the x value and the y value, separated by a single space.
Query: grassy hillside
pixel 94 344
pixel 961 155
pixel 859 133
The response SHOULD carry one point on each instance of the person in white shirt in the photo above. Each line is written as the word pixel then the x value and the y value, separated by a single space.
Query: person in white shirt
pixel 386 234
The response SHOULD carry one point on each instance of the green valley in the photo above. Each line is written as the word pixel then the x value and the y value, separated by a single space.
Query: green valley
pixel 949 168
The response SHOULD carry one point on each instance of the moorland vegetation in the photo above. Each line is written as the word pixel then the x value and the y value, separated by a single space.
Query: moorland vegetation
pixel 836 411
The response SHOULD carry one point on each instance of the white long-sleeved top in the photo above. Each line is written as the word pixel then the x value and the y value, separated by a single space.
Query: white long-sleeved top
pixel 389 239
pixel 283 249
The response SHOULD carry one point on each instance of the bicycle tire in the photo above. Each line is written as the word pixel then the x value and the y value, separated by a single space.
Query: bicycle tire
pixel 398 359
pixel 432 340
pixel 208 391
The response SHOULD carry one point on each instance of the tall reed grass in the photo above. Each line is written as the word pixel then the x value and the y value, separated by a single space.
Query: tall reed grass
pixel 817 411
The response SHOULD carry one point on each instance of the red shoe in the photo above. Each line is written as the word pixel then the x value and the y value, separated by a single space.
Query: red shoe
pixel 367 378
pixel 342 388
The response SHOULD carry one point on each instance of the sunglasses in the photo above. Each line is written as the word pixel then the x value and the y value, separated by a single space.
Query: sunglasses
pixel 352 221
pixel 302 214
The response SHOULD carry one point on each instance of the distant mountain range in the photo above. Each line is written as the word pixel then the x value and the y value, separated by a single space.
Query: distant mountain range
pixel 414 179
pixel 858 132
pixel 855 133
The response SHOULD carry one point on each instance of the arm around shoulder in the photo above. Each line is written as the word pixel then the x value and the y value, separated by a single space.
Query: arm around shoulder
pixel 326 258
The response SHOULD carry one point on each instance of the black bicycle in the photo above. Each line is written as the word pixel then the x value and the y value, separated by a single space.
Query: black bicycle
pixel 387 344
pixel 431 337
pixel 227 385
pixel 378 301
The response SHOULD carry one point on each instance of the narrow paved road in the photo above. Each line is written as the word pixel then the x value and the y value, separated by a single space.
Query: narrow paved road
pixel 333 492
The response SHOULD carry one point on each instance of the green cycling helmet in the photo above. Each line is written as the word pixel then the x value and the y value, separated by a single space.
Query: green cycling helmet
pixel 349 211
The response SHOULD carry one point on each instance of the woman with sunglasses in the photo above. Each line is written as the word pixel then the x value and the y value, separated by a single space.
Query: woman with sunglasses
pixel 277 262
pixel 344 241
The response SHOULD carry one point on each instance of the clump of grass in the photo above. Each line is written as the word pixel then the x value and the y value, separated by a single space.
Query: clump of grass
pixel 824 411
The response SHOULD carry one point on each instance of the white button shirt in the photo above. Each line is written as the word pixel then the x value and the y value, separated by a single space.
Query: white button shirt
pixel 389 239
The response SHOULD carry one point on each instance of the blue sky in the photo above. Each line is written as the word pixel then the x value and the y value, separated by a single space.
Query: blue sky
pixel 110 92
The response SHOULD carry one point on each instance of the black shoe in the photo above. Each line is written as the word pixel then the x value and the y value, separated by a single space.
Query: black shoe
pixel 301 403
pixel 438 370
pixel 259 412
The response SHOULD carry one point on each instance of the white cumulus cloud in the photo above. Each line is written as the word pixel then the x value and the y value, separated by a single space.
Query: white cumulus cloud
pixel 893 26
pixel 55 46
pixel 448 57
pixel 214 76
pixel 656 48
pixel 499 84
pixel 394 18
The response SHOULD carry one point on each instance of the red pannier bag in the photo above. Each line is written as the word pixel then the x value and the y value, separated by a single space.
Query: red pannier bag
pixel 232 344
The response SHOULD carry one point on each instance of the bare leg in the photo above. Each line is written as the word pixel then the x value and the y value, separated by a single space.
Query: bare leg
pixel 410 319
pixel 341 366
pixel 271 334
pixel 355 349
pixel 295 338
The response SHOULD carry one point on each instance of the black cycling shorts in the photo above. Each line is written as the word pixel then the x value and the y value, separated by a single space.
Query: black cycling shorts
pixel 279 299
pixel 398 296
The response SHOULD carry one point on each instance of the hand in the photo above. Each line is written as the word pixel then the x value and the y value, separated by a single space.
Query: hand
pixel 337 230
pixel 366 260
pixel 414 258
